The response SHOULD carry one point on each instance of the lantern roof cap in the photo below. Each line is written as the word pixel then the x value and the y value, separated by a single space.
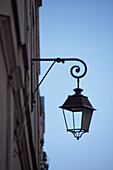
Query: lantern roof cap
pixel 77 102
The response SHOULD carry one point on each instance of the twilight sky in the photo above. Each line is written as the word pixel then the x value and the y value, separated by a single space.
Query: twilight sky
pixel 81 29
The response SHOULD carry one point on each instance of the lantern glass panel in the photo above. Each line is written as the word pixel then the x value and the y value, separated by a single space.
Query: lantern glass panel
pixel 86 118
pixel 69 119
pixel 77 119
pixel 73 119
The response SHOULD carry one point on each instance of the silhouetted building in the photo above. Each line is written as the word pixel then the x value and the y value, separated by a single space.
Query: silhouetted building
pixel 21 120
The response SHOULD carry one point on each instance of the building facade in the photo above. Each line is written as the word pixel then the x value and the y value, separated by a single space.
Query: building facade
pixel 21 113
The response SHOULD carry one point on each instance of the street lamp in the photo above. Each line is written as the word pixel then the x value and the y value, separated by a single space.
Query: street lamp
pixel 77 110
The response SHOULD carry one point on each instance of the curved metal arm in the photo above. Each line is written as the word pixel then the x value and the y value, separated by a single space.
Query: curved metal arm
pixel 62 60
pixel 59 60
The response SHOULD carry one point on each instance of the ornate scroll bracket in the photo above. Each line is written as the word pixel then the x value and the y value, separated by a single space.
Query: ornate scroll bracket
pixel 75 68
pixel 62 60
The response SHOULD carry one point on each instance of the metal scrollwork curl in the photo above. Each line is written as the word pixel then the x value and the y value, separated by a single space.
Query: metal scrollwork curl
pixel 76 68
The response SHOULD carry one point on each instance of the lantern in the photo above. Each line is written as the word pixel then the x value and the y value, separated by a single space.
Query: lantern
pixel 77 112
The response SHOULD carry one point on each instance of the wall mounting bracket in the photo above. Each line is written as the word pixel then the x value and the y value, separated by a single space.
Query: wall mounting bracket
pixel 59 60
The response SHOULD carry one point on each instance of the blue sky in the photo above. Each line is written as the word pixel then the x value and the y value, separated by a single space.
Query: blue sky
pixel 81 29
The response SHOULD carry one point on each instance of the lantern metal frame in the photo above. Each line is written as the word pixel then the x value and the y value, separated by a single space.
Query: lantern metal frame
pixel 74 103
